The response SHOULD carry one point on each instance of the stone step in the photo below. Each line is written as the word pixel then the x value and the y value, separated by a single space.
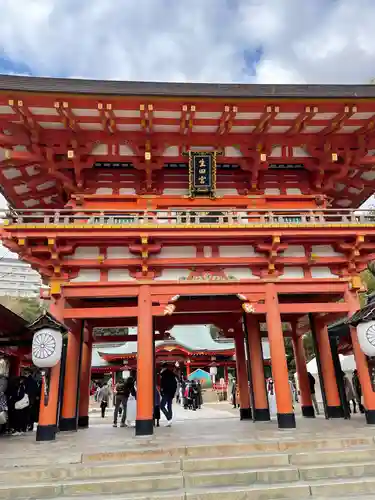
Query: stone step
pixel 94 471
pixel 106 487
pixel 236 449
pixel 285 491
pixel 241 477
pixel 333 456
pixel 342 488
pixel 336 471
pixel 239 462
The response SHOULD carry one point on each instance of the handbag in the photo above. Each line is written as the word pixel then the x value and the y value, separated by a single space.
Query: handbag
pixel 22 403
pixel 3 417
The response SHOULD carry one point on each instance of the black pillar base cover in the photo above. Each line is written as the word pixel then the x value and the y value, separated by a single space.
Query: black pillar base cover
pixel 286 420
pixel 46 433
pixel 370 417
pixel 68 424
pixel 245 414
pixel 83 422
pixel 144 427
pixel 262 414
pixel 335 412
pixel 308 411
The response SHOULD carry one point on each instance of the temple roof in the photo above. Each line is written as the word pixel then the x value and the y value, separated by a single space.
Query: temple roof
pixel 195 338
pixel 131 88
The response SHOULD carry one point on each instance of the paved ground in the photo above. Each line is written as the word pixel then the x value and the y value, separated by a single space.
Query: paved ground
pixel 215 423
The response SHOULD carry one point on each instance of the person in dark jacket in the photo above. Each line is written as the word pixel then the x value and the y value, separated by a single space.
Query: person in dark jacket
pixel 168 388
pixel 357 390
pixel 312 391
pixel 157 408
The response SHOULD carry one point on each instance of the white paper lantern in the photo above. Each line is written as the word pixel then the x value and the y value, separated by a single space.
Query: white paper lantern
pixel 213 370
pixel 125 374
pixel 366 337
pixel 46 348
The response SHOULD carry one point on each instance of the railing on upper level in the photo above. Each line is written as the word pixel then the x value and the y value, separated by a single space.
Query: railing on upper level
pixel 196 217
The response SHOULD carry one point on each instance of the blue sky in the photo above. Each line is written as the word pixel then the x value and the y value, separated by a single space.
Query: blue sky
pixel 262 41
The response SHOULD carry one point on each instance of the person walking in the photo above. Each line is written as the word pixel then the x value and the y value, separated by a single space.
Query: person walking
pixel 103 398
pixel 349 392
pixel 123 390
pixel 357 390
pixel 312 392
pixel 168 388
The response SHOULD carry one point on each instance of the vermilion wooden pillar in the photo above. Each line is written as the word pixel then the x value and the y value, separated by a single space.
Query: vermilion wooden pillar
pixel 68 420
pixel 47 425
pixel 84 390
pixel 242 379
pixel 145 364
pixel 303 377
pixel 334 408
pixel 285 414
pixel 361 362
pixel 261 410
pixel 226 374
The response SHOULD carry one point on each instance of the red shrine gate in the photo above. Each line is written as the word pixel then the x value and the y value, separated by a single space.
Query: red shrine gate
pixel 128 198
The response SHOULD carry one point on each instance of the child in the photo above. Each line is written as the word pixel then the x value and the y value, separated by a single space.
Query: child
pixel 157 408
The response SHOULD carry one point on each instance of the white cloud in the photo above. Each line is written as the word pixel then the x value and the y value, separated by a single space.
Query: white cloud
pixel 184 40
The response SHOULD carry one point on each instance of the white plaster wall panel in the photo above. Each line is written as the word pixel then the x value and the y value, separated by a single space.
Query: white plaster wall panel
pixel 19 147
pixel 87 275
pixel 300 152
pixel 325 251
pixel 166 128
pixel 226 191
pixel 100 149
pixel 128 127
pixel 286 116
pixel 2 153
pixel 322 272
pixel 127 191
pixel 207 252
pixel 204 128
pixel 344 203
pixel 167 114
pixel 176 253
pixel 127 113
pixel 176 192
pixel 125 150
pixel 52 125
pixel 85 253
pixel 340 187
pixel 119 275
pixel 104 190
pixel 119 253
pixel 11 173
pixel 355 190
pixel 361 116
pixel 48 199
pixel 85 112
pixel 231 151
pixel 293 191
pixel 210 115
pixel 294 251
pixel 202 148
pixel 292 273
pixel 6 110
pixel 276 151
pixel 368 176
pixel 272 191
pixel 32 170
pixel 324 116
pixel 240 273
pixel 91 126
pixel 238 251
pixel 278 129
pixel 248 116
pixel 45 185
pixel 171 151
pixel 22 188
pixel 241 129
pixel 30 203
pixel 173 274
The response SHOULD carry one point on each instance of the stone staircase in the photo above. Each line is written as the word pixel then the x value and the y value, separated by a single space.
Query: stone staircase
pixel 259 470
